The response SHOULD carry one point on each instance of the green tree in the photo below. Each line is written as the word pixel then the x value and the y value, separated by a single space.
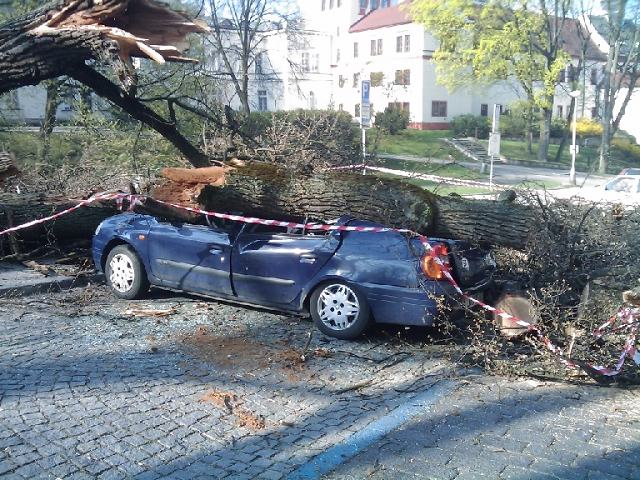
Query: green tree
pixel 622 70
pixel 481 43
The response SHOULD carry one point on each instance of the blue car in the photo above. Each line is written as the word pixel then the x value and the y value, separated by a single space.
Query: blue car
pixel 345 280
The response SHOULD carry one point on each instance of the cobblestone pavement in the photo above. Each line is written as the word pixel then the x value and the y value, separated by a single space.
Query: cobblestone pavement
pixel 499 429
pixel 89 390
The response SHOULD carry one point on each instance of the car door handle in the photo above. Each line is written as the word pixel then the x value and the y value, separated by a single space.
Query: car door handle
pixel 215 250
pixel 307 259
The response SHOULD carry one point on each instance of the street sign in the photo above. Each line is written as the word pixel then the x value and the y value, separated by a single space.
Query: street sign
pixel 494 145
pixel 574 147
pixel 365 104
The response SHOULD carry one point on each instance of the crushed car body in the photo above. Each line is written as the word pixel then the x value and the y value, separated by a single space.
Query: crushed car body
pixel 345 280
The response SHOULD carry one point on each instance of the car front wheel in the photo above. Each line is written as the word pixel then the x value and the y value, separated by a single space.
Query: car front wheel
pixel 125 273
pixel 339 311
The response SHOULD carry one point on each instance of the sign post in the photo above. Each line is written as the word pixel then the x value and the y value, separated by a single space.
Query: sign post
pixel 494 140
pixel 365 119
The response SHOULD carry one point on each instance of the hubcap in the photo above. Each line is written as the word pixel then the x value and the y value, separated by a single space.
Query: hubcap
pixel 122 273
pixel 338 306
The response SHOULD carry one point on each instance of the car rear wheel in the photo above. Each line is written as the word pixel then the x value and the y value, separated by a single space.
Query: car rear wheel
pixel 125 273
pixel 339 311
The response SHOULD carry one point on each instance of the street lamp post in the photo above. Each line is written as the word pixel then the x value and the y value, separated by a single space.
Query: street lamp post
pixel 574 147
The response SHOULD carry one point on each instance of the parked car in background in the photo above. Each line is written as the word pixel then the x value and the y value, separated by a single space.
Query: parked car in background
pixel 345 280
pixel 630 171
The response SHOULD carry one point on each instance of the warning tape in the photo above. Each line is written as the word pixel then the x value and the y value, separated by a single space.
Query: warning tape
pixel 628 317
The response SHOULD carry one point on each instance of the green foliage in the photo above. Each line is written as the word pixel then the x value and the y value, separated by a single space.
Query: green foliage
pixel 470 125
pixel 392 120
pixel 627 149
pixel 587 127
pixel 481 43
pixel 377 78
pixel 558 127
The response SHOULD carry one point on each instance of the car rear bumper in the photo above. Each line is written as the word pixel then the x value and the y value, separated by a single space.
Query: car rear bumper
pixel 415 306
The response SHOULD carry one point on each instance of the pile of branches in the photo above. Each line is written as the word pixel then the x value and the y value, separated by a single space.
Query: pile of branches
pixel 574 271
pixel 301 140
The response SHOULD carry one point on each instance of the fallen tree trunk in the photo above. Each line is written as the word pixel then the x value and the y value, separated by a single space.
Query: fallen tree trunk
pixel 80 224
pixel 268 191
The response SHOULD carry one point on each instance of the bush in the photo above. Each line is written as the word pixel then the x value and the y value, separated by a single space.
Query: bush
pixel 256 124
pixel 558 127
pixel 627 148
pixel 392 120
pixel 586 127
pixel 470 125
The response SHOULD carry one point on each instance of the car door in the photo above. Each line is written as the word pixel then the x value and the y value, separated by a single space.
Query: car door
pixel 194 258
pixel 272 268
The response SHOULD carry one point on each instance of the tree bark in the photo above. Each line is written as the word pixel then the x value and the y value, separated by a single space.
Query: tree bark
pixel 545 133
pixel 268 191
pixel 80 224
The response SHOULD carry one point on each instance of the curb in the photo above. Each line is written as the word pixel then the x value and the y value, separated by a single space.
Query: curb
pixel 55 285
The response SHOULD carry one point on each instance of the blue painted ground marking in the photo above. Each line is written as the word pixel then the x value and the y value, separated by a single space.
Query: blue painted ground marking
pixel 375 431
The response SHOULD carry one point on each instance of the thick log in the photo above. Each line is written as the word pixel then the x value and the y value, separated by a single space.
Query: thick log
pixel 80 224
pixel 272 192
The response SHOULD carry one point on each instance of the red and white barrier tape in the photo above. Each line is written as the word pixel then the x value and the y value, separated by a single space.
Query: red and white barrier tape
pixel 628 316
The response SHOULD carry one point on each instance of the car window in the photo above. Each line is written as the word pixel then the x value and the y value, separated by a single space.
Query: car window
pixel 622 185
pixel 274 229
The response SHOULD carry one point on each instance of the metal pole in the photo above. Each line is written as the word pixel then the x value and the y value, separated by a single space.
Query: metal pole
pixel 491 174
pixel 572 172
pixel 364 150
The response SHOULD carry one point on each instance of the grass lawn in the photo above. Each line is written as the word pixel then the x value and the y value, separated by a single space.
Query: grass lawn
pixel 421 143
pixel 443 170
pixel 587 159
pixel 439 188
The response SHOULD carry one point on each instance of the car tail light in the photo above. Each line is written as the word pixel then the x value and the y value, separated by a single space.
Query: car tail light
pixel 429 262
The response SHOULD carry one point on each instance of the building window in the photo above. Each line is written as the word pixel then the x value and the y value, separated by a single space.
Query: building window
pixel 357 110
pixel 315 66
pixel 373 47
pixel 330 3
pixel 355 49
pixel 399 46
pixel 363 7
pixel 594 113
pixel 376 79
pixel 312 101
pixel 262 100
pixel 337 31
pixel 438 108
pixel 402 106
pixel 403 77
pixel 571 73
pixel 338 55
pixel 341 107
pixel 356 80
pixel 562 76
pixel 305 61
pixel 560 111
pixel 484 110
pixel 324 4
pixel 341 81
pixel 594 76
pixel 259 64
pixel 407 43
pixel 379 46
pixel 339 3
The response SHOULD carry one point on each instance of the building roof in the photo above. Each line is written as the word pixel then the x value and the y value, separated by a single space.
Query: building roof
pixel 574 37
pixel 382 17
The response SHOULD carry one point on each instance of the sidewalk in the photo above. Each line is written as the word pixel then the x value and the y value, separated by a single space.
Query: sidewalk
pixel 19 280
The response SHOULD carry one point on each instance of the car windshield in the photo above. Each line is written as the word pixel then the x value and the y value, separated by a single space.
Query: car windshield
pixel 628 185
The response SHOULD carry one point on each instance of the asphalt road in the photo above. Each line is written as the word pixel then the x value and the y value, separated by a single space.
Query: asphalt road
pixel 514 174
